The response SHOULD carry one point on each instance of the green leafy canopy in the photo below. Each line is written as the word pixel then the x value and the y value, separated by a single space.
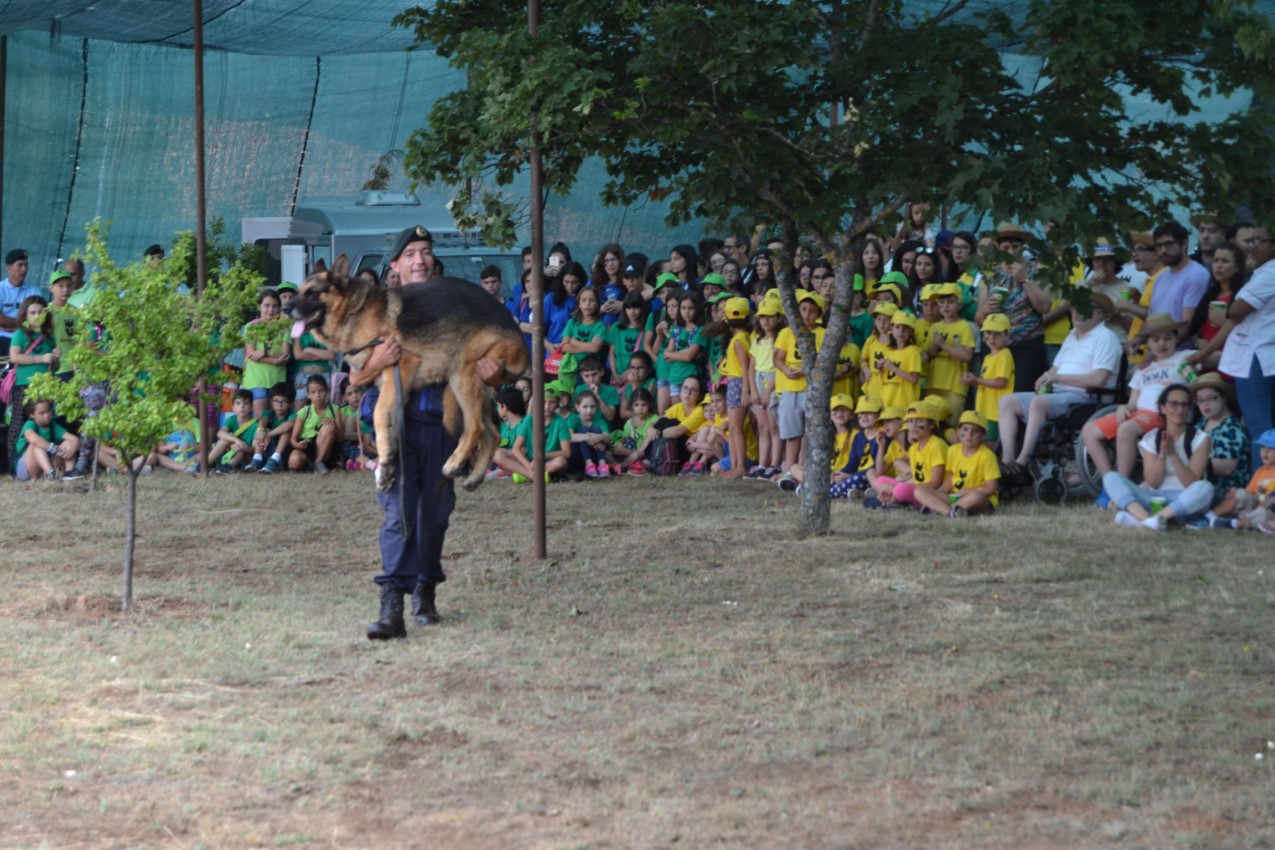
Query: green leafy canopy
pixel 158 340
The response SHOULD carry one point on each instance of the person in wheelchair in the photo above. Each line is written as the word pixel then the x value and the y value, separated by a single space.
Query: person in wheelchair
pixel 1140 414
pixel 1089 358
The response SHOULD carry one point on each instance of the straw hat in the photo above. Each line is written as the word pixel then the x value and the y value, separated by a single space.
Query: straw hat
pixel 1214 381
pixel 1009 230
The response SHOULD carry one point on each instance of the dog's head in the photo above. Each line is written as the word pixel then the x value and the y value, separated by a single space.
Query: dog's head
pixel 320 292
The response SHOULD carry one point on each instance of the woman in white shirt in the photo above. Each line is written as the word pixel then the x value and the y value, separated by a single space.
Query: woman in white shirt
pixel 1174 462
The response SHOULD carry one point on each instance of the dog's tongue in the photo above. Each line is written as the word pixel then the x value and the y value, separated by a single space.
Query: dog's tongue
pixel 298 328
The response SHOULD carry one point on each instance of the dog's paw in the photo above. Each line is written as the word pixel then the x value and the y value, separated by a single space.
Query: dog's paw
pixel 451 469
pixel 471 483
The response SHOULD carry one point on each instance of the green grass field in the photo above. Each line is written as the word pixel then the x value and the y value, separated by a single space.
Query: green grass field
pixel 685 670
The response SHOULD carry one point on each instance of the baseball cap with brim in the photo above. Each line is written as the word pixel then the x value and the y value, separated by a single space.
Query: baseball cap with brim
pixel 713 279
pixel 891 413
pixel 634 269
pixel 721 296
pixel 996 323
pixel 665 279
pixel 406 237
pixel 897 278
pixel 945 289
pixel 922 410
pixel 973 417
pixel 1267 440
pixel 60 274
pixel 904 318
pixel 1214 381
pixel 736 308
pixel 15 255
pixel 886 308
pixel 770 308
pixel 858 283
pixel 940 405
pixel 841 400
pixel 930 292
pixel 286 286
pixel 868 404
pixel 811 296
pixel 556 388
pixel 890 288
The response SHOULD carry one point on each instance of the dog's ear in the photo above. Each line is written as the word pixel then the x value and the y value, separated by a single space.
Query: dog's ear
pixel 341 268
pixel 319 266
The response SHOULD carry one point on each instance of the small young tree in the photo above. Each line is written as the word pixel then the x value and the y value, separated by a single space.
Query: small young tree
pixel 156 342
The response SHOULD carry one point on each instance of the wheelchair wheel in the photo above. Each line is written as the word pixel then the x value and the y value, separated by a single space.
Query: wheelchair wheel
pixel 1050 491
pixel 1090 479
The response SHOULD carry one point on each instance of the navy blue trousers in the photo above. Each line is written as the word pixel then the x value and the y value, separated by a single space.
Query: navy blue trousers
pixel 412 550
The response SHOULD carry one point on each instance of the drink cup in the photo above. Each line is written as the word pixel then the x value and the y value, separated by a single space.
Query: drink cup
pixel 1158 503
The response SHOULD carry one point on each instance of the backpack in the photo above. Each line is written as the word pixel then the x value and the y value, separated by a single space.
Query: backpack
pixel 665 455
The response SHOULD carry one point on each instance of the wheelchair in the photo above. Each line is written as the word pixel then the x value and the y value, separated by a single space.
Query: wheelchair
pixel 1061 467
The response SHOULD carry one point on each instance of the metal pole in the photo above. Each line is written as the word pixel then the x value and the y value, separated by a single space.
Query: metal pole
pixel 537 284
pixel 4 85
pixel 201 222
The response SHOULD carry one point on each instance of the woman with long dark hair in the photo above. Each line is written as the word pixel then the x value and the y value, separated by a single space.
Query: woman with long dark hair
pixel 1209 325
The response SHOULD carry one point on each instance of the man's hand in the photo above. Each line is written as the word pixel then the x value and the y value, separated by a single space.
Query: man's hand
pixel 489 371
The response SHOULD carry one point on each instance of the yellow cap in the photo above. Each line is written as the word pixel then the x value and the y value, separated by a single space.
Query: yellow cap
pixel 903 317
pixel 892 413
pixel 804 295
pixel 868 404
pixel 996 323
pixel 892 289
pixel 930 291
pixel 841 400
pixel 737 308
pixel 923 410
pixel 769 308
pixel 940 405
pixel 973 417
pixel 885 307
pixel 949 289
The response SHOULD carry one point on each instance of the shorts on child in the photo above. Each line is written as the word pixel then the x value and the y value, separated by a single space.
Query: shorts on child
pixel 734 393
pixel 1060 404
pixel 764 381
pixel 259 393
pixel 1148 420
pixel 21 472
pixel 792 414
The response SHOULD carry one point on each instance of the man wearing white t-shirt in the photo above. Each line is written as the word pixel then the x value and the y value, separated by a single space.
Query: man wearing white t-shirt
pixel 1089 357
pixel 1249 354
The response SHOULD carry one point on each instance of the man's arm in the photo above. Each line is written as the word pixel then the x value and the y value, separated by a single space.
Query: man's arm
pixel 382 357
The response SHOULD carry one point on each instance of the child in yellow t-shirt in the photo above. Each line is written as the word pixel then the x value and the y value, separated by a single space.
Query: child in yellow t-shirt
pixel 997 377
pixel 873 353
pixel 950 349
pixel 929 317
pixel 972 478
pixel 902 367
pixel 890 448
pixel 926 464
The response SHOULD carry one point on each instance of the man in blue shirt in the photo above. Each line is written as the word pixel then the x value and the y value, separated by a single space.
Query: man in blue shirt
pixel 13 291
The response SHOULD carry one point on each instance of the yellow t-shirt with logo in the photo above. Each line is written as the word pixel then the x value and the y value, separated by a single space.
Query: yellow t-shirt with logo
pixel 868 357
pixel 971 472
pixel 896 392
pixel 848 383
pixel 925 460
pixel 987 400
pixel 787 343
pixel 945 371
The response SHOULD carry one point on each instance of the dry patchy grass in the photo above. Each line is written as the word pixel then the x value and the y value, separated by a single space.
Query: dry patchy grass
pixel 686 669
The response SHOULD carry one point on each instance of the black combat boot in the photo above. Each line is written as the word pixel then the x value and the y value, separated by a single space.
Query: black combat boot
pixel 390 624
pixel 423 609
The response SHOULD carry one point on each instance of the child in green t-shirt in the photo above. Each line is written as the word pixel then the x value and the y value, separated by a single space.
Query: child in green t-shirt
pixel 44 448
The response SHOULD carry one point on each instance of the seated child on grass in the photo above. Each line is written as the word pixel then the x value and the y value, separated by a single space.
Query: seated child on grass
pixel 44 449
pixel 591 374
pixel 855 477
pixel 1252 506
pixel 275 430
pixel 180 450
pixel 234 446
pixel 590 438
pixel 515 451
pixel 631 445
pixel 973 474
pixel 358 445
pixel 710 443
pixel 926 462
pixel 316 431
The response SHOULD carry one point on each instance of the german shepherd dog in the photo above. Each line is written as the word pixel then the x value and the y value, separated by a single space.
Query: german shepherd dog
pixel 444 327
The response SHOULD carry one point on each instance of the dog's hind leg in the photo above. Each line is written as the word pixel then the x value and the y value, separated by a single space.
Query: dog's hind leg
pixel 471 396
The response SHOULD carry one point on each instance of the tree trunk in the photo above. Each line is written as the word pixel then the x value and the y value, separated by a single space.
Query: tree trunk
pixel 130 533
